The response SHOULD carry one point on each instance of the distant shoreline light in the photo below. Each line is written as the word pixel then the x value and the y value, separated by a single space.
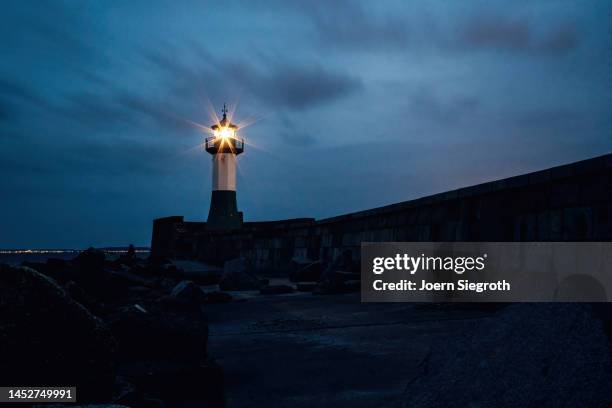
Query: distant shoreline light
pixel 64 251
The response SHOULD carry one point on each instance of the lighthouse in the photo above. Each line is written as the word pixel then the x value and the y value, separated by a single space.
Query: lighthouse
pixel 224 145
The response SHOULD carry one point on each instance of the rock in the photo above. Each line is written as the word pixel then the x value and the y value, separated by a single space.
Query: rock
pixel 154 270
pixel 236 276
pixel 545 355
pixel 92 270
pixel 160 332
pixel 336 282
pixel 339 271
pixel 352 286
pixel 77 293
pixel 98 281
pixel 139 289
pixel 344 262
pixel 200 273
pixel 174 382
pixel 90 259
pixel 48 338
pixel 188 292
pixel 218 297
pixel 104 282
pixel 125 277
pixel 306 272
pixel 129 396
pixel 58 269
pixel 306 286
pixel 276 289
pixel 129 258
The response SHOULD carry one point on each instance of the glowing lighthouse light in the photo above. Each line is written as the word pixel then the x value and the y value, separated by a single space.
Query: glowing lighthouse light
pixel 224 146
pixel 224 132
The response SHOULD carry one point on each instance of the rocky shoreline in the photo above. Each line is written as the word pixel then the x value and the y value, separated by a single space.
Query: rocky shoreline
pixel 135 332
pixel 127 331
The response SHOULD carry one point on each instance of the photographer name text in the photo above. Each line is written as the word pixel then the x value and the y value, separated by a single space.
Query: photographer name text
pixel 413 264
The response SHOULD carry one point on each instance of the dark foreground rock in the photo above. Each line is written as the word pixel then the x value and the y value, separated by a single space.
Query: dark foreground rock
pixel 163 355
pixel 237 276
pixel 58 269
pixel 179 383
pixel 152 331
pixel 46 338
pixel 189 292
pixel 276 289
pixel 135 336
pixel 217 297
pixel 544 355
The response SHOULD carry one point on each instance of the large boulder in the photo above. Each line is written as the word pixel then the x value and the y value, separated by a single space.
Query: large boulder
pixel 198 272
pixel 237 276
pixel 218 297
pixel 46 338
pixel 58 269
pixel 164 356
pixel 544 355
pixel 95 278
pixel 343 262
pixel 91 258
pixel 155 331
pixel 341 270
pixel 188 292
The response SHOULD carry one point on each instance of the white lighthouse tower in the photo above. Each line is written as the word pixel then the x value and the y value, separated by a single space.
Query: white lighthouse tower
pixel 224 145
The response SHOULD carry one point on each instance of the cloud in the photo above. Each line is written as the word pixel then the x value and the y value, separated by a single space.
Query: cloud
pixel 348 25
pixel 519 35
pixel 93 110
pixel 92 102
pixel 5 111
pixel 294 135
pixel 301 87
pixel 546 117
pixel 425 103
pixel 51 28
pixel 276 83
pixel 156 111
pixel 298 138
pixel 14 93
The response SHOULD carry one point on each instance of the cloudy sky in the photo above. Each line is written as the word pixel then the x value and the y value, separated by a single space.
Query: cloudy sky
pixel 350 105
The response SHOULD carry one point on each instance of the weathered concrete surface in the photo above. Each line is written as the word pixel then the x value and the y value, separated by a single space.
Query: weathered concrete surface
pixel 529 355
pixel 303 350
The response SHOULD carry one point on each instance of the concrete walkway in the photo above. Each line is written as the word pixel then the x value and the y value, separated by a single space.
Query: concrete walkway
pixel 304 350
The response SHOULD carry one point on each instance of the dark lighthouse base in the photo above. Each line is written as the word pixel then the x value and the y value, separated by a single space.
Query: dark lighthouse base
pixel 223 213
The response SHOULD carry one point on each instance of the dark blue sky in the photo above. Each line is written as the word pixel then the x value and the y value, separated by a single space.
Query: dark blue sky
pixel 357 104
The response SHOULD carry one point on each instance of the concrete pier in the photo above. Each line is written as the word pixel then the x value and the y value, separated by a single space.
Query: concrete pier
pixel 572 202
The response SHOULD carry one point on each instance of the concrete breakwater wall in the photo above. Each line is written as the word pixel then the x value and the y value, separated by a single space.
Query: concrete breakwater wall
pixel 572 202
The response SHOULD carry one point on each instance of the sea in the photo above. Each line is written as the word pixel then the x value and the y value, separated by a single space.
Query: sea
pixel 15 257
